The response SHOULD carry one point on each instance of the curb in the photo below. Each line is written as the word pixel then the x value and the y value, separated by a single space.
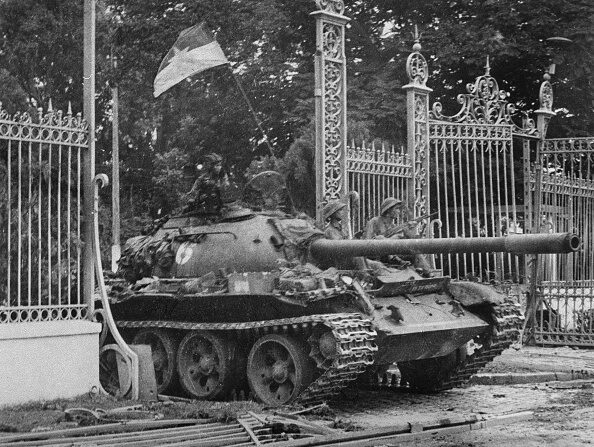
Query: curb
pixel 536 377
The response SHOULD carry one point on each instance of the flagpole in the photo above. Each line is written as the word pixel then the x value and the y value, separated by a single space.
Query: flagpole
pixel 252 110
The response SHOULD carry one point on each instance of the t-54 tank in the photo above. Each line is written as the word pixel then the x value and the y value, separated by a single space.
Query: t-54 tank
pixel 262 298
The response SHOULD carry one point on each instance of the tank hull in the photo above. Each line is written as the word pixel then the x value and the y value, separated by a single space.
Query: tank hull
pixel 423 327
pixel 407 328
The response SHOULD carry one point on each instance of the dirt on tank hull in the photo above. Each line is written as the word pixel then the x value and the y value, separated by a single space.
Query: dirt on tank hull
pixel 260 299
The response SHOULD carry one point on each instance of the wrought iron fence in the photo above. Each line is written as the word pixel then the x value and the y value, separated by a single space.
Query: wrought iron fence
pixel 40 216
pixel 375 173
pixel 472 180
pixel 567 288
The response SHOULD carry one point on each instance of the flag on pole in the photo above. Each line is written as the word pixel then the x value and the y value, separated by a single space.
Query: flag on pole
pixel 195 50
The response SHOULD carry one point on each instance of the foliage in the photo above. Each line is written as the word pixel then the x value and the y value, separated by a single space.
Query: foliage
pixel 39 247
pixel 270 44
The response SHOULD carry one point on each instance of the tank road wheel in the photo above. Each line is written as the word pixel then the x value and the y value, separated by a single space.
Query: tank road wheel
pixel 279 369
pixel 431 375
pixel 204 364
pixel 164 351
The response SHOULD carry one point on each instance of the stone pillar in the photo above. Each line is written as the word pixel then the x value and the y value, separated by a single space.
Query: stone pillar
pixel 330 100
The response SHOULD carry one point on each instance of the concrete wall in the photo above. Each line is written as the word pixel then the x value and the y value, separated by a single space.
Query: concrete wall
pixel 49 360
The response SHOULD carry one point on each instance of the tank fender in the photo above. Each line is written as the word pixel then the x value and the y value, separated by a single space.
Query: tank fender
pixel 473 294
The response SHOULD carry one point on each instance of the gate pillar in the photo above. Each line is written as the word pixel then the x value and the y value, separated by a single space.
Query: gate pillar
pixel 417 110
pixel 330 104
pixel 543 116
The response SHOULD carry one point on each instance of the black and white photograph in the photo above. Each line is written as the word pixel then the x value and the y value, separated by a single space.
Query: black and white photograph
pixel 297 223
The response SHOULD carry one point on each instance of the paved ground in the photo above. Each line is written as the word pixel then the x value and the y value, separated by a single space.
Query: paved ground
pixel 563 410
pixel 534 359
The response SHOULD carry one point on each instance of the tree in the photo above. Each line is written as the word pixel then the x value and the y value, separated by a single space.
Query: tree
pixel 270 44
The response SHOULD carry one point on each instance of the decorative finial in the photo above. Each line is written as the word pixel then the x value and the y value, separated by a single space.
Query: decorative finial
pixel 49 106
pixel 334 6
pixel 417 37
pixel 487 68
pixel 69 108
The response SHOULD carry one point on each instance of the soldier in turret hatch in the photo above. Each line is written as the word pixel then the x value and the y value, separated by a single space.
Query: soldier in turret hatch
pixel 332 215
pixel 205 196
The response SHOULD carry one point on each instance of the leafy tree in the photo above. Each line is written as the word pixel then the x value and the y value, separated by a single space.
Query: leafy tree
pixel 270 44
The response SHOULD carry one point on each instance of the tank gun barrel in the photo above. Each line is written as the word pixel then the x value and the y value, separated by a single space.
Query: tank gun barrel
pixel 515 244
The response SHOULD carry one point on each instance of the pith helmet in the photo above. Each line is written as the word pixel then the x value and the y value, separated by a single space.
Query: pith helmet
pixel 388 204
pixel 331 208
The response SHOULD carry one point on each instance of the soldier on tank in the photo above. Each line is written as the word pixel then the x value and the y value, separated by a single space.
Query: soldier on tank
pixel 333 214
pixel 205 196
pixel 333 218
pixel 381 226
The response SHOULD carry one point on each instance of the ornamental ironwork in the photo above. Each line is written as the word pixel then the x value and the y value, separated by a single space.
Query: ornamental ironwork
pixel 41 225
pixel 49 127
pixel 417 69
pixel 331 170
pixel 485 103
pixel 334 6
pixel 417 123
pixel 374 173
pixel 546 96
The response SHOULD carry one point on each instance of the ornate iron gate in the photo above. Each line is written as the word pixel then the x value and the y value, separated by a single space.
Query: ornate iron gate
pixel 467 169
pixel 41 216
pixel 375 174
pixel 566 290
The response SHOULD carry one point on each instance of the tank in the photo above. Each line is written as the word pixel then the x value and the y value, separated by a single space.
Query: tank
pixel 260 300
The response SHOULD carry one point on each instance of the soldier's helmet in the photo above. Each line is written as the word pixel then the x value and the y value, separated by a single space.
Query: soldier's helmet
pixel 390 203
pixel 331 208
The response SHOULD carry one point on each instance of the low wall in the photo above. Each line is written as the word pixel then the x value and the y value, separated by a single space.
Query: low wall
pixel 49 360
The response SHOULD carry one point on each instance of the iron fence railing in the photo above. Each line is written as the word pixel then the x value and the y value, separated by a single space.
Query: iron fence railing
pixel 566 293
pixel 566 314
pixel 375 173
pixel 473 190
pixel 41 210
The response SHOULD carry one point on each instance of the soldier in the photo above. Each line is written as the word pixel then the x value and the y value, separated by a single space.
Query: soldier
pixel 332 215
pixel 381 226
pixel 205 195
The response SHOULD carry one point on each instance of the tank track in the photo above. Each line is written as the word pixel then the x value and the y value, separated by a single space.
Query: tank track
pixel 507 320
pixel 353 334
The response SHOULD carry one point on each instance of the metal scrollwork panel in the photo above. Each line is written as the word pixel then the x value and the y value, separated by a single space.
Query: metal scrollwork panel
pixel 546 96
pixel 333 128
pixel 417 69
pixel 332 35
pixel 334 6
pixel 484 103
pixel 49 127
pixel 421 143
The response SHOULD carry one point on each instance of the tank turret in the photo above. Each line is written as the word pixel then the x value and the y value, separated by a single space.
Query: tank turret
pixel 260 299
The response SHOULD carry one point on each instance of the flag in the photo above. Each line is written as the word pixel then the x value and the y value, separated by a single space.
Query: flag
pixel 195 50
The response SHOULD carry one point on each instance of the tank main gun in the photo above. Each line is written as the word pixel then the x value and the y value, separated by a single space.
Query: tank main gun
pixel 515 244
